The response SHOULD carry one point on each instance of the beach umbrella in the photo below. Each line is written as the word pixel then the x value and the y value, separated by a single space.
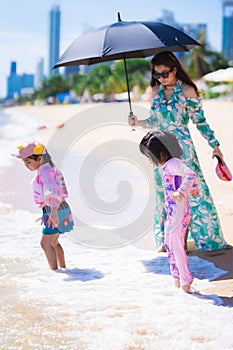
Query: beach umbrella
pixel 122 40
pixel 220 75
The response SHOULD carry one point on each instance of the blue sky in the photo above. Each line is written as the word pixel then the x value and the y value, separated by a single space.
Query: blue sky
pixel 24 24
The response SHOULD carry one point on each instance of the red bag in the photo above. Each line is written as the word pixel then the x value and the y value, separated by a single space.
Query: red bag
pixel 222 170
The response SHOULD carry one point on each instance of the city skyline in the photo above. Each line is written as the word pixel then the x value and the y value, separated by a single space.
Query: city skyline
pixel 54 37
pixel 24 33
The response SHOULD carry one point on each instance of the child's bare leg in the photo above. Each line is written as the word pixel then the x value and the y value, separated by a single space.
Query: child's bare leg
pixel 177 282
pixel 46 244
pixel 60 256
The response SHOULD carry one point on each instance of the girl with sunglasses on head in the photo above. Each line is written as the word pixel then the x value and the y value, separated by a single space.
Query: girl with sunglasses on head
pixel 49 192
pixel 175 101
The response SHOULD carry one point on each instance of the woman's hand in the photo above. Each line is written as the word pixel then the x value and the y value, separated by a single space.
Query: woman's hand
pixel 53 219
pixel 177 196
pixel 218 153
pixel 132 120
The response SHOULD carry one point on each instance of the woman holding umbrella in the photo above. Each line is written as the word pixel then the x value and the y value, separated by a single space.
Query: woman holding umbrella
pixel 176 100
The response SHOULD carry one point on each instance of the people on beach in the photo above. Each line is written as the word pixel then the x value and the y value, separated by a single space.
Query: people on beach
pixel 175 101
pixel 49 192
pixel 178 181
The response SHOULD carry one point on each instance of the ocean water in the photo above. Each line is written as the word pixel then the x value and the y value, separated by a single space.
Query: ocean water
pixel 4 117
pixel 13 129
pixel 106 299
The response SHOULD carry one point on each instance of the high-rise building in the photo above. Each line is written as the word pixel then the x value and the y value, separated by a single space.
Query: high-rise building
pixel 13 68
pixel 27 84
pixel 227 29
pixel 54 38
pixel 39 74
pixel 18 85
pixel 13 82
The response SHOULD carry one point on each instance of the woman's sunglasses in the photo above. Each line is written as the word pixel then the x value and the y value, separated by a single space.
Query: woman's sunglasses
pixel 163 75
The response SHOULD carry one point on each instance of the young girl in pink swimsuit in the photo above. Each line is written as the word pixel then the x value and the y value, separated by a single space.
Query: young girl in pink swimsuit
pixel 164 151
pixel 49 192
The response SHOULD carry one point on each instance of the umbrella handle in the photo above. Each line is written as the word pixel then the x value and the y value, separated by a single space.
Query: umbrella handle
pixel 132 126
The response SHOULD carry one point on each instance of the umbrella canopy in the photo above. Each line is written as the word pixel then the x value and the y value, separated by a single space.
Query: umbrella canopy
pixel 220 75
pixel 123 40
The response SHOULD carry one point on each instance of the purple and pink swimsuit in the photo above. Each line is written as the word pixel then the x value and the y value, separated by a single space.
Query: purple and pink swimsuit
pixel 177 176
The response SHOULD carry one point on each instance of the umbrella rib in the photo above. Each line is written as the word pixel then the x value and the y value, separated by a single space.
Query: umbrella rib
pixel 105 51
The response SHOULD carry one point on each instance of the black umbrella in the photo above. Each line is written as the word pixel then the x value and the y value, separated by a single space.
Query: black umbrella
pixel 123 40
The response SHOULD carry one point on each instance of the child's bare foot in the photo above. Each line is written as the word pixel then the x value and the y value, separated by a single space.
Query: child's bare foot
pixel 177 282
pixel 186 288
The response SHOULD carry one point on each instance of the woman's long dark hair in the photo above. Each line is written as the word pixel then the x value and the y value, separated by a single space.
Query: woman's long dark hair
pixel 168 59
pixel 160 146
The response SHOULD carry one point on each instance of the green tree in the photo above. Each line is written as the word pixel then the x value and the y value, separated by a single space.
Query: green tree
pixel 217 61
pixel 52 86
pixel 97 78
pixel 78 83
pixel 24 99
pixel 111 78
pixel 137 70
pixel 202 60
pixel 196 61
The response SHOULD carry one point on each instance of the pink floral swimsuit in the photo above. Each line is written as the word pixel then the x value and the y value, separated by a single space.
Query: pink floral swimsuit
pixel 49 190
pixel 49 187
pixel 177 176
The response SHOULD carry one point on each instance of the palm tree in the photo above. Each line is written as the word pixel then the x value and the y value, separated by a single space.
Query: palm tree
pixel 51 86
pixel 196 61
pixel 202 60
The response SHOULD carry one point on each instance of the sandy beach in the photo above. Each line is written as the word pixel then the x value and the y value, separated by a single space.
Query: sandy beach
pixel 122 280
pixel 219 115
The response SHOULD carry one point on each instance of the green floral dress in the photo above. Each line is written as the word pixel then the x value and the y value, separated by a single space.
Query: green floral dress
pixel 174 116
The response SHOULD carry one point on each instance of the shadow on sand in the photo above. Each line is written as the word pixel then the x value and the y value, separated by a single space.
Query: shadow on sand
pixel 83 275
pixel 222 259
pixel 223 271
